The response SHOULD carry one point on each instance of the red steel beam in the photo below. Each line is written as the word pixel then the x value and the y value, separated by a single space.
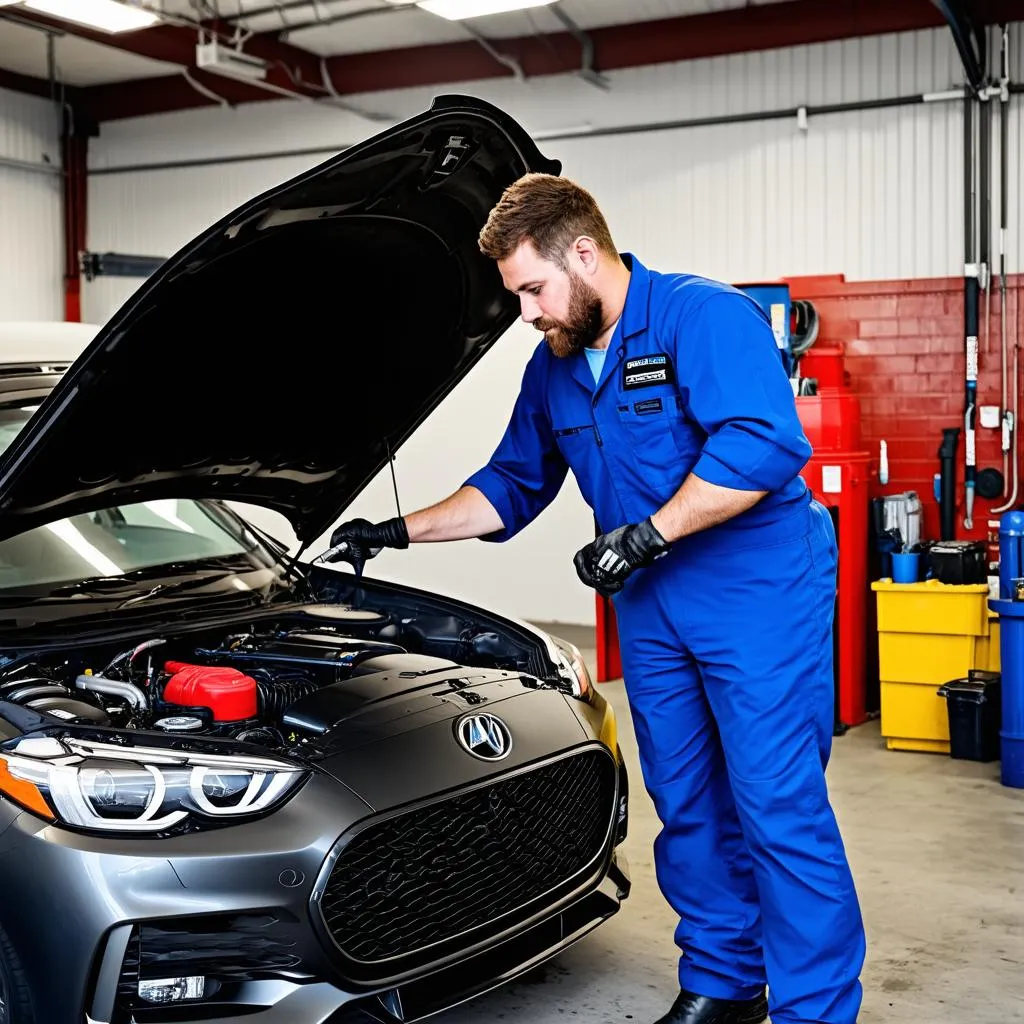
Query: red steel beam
pixel 75 153
pixel 74 144
pixel 736 30
pixel 291 69
pixel 29 84
pixel 739 30
pixel 167 93
pixel 74 182
pixel 24 83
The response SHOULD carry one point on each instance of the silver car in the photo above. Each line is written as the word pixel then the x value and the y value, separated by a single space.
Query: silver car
pixel 237 785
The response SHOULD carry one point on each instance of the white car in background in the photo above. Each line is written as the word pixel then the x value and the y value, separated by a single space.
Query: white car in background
pixel 44 342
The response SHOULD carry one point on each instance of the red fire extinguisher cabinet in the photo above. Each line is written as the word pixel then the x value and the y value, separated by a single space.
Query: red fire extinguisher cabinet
pixel 839 474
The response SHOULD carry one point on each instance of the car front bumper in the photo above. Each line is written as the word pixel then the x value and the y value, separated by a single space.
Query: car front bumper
pixel 312 1002
pixel 240 905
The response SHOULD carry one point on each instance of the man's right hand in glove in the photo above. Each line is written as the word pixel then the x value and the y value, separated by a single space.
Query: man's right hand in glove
pixel 464 514
pixel 364 540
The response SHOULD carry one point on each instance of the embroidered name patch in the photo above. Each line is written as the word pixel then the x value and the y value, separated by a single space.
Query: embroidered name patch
pixel 648 405
pixel 647 371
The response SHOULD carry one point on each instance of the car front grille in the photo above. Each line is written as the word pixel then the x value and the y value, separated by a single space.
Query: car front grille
pixel 474 863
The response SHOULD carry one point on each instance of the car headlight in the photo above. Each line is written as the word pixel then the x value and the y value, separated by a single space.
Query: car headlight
pixel 120 789
pixel 574 669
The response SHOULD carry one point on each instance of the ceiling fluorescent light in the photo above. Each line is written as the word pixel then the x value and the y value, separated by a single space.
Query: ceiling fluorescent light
pixel 106 15
pixel 459 10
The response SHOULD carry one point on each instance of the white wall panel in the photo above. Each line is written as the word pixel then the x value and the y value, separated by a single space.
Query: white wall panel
pixel 157 212
pixel 30 209
pixel 871 194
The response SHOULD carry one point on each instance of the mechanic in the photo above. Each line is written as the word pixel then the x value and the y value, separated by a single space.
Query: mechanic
pixel 666 396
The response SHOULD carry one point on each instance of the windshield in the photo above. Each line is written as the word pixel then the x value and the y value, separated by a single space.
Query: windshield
pixel 117 541
pixel 12 419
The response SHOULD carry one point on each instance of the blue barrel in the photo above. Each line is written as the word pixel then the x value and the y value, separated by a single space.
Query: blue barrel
pixel 1011 656
pixel 775 300
pixel 1011 552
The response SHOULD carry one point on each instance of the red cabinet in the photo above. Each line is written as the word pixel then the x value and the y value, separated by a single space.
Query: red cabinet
pixel 840 474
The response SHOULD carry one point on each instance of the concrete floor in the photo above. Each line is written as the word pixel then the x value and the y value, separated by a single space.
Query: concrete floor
pixel 937 849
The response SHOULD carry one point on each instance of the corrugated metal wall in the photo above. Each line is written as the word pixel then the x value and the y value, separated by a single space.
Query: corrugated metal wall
pixel 30 209
pixel 871 194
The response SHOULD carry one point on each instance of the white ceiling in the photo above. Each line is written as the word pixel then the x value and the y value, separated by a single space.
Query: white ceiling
pixel 79 62
pixel 83 63
pixel 388 28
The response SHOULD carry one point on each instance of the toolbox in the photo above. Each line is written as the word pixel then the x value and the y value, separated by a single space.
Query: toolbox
pixel 958 562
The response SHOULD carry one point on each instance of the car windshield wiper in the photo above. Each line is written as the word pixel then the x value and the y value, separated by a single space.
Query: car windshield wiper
pixel 279 552
pixel 166 589
pixel 111 588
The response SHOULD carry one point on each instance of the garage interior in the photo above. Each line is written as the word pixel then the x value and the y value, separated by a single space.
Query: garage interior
pixel 856 166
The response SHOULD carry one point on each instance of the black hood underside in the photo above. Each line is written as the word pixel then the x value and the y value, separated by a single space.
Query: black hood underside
pixel 282 356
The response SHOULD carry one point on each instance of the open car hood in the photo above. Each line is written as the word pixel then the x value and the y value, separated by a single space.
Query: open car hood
pixel 280 357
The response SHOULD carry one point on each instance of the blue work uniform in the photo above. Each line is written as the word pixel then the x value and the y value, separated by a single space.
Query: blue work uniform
pixel 726 642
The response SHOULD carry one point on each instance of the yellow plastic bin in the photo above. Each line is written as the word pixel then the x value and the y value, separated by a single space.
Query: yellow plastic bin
pixel 928 634
pixel 988 646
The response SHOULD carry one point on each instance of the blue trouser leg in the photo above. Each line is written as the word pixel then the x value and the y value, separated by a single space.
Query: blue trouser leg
pixel 701 860
pixel 761 631
pixel 757 625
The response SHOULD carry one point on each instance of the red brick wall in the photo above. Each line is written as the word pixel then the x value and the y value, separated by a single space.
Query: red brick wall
pixel 904 344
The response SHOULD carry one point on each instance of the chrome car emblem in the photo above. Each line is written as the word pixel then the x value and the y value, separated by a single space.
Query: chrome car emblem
pixel 485 736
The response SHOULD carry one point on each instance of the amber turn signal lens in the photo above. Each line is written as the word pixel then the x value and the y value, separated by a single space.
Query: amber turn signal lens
pixel 24 793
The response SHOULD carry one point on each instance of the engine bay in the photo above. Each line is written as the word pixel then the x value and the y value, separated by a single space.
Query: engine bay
pixel 274 683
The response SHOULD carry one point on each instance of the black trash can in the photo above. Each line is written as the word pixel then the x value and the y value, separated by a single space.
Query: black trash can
pixel 974 706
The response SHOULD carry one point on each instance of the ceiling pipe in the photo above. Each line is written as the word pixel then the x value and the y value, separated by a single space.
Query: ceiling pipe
pixel 260 12
pixel 337 19
pixel 588 72
pixel 502 58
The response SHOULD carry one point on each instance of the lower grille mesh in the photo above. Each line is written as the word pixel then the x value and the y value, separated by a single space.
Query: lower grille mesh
pixel 437 872
pixel 229 947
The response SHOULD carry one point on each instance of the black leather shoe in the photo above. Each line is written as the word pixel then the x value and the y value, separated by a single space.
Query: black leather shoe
pixel 690 1008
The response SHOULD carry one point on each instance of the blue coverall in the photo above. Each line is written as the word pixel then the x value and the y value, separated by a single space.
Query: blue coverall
pixel 726 642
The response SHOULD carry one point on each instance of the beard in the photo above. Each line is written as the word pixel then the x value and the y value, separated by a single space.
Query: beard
pixel 583 325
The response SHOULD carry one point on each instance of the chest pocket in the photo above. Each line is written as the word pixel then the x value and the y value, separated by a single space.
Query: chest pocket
pixel 580 447
pixel 664 441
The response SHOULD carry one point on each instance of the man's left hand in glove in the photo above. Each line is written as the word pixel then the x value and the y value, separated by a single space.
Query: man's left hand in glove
pixel 606 562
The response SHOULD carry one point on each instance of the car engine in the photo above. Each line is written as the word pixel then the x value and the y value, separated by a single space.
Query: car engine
pixel 272 684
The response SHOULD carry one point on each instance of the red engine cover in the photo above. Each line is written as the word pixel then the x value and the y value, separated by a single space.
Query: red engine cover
pixel 229 694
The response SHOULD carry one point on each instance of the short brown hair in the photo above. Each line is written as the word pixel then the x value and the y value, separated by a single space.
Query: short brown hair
pixel 548 211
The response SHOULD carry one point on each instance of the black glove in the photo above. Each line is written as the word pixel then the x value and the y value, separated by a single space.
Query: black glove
pixel 605 562
pixel 363 540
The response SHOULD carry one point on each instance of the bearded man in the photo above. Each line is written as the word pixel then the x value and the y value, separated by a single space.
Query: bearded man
pixel 666 397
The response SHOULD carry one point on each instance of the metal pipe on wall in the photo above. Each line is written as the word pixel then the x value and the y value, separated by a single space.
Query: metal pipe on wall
pixel 986 140
pixel 751 117
pixel 971 295
pixel 1009 426
pixel 33 166
pixel 1004 98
